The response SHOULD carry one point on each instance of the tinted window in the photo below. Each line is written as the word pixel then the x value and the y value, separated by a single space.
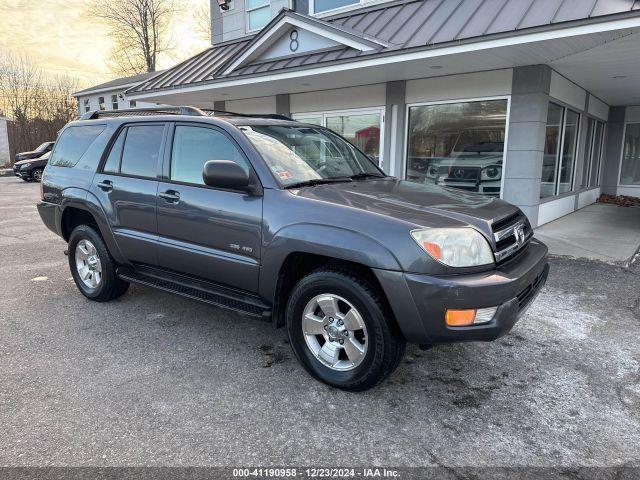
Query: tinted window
pixel 73 143
pixel 194 146
pixel 141 150
pixel 112 165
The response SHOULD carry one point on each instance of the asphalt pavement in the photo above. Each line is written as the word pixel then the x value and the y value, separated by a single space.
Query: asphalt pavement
pixel 155 379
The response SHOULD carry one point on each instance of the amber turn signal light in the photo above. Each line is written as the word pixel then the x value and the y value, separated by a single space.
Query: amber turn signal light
pixel 460 318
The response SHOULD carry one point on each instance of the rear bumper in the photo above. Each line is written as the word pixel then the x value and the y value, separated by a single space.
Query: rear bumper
pixel 50 213
pixel 420 301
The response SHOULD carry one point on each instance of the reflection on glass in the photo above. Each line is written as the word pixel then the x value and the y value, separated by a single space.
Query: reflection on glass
pixel 593 153
pixel 361 130
pixel 324 5
pixel 630 171
pixel 458 145
pixel 551 150
pixel 259 18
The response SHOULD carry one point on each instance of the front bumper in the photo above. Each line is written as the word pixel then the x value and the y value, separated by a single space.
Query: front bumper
pixel 420 302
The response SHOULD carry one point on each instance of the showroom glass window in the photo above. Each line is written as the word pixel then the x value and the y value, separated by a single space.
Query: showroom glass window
pixel 361 128
pixel 560 146
pixel 630 171
pixel 593 153
pixel 458 145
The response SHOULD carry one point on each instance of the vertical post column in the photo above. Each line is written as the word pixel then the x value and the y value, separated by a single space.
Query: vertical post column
pixel 394 128
pixel 525 146
pixel 219 105
pixel 613 150
pixel 283 105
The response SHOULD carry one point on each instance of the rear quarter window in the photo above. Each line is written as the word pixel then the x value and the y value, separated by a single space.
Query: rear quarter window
pixel 73 144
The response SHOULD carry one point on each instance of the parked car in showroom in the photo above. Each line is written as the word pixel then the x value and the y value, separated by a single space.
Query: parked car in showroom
pixel 46 147
pixel 290 223
pixel 31 170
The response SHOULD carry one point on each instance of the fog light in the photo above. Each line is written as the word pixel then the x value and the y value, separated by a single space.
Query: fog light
pixel 464 318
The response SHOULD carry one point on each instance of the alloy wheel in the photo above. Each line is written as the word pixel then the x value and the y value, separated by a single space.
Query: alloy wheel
pixel 88 264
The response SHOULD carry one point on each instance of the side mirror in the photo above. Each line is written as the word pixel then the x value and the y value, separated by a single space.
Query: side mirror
pixel 225 174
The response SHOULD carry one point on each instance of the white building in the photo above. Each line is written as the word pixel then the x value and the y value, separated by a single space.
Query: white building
pixel 111 95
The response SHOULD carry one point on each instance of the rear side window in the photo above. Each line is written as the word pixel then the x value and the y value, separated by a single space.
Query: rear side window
pixel 141 150
pixel 73 143
pixel 194 146
pixel 112 165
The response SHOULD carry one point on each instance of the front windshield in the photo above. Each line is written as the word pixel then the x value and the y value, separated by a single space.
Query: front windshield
pixel 42 147
pixel 298 154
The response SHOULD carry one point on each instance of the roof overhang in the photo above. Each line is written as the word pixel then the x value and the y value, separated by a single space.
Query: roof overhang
pixel 288 20
pixel 555 45
pixel 84 93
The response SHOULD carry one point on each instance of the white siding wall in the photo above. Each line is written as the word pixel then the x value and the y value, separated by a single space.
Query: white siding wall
pixel 252 105
pixel 122 104
pixel 454 87
pixel 339 99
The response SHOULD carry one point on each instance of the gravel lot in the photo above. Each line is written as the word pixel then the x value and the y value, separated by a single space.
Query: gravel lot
pixel 154 379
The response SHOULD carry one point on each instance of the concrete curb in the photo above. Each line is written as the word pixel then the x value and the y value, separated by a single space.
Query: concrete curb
pixel 6 172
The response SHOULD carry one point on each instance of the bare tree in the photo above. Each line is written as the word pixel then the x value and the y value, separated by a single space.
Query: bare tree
pixel 38 105
pixel 139 29
pixel 201 14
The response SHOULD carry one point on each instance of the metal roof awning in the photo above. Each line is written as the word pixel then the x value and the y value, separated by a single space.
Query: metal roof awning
pixel 398 41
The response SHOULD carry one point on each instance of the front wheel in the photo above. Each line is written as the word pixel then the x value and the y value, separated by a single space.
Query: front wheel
pixel 342 331
pixel 92 266
pixel 36 175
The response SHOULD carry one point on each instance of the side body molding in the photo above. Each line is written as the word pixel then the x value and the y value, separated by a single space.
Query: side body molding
pixel 318 239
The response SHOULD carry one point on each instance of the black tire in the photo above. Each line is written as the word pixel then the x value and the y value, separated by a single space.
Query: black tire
pixel 26 179
pixel 385 346
pixel 110 285
pixel 36 174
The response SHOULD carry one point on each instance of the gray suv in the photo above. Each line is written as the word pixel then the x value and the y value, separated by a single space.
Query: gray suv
pixel 290 223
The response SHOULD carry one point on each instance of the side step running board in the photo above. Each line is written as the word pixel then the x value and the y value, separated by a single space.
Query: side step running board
pixel 197 289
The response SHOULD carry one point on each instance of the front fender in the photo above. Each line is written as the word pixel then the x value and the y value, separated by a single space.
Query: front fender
pixel 318 239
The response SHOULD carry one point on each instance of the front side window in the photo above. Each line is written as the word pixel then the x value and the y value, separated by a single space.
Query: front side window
pixel 101 103
pixel 258 14
pixel 195 146
pixel 630 170
pixel 458 145
pixel 559 151
pixel 324 5
pixel 300 154
pixel 593 153
pixel 73 143
pixel 114 102
pixel 141 150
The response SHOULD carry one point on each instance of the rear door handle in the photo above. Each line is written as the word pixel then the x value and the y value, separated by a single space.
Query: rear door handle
pixel 170 196
pixel 106 185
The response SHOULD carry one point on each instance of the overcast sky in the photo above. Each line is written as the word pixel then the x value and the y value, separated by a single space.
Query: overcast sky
pixel 63 39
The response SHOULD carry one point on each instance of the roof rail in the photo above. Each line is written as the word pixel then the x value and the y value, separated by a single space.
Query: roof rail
pixel 96 114
pixel 274 116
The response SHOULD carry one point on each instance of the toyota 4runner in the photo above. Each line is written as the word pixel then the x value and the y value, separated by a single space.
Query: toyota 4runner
pixel 290 223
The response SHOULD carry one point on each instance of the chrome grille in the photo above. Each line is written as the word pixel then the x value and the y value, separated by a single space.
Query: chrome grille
pixel 511 234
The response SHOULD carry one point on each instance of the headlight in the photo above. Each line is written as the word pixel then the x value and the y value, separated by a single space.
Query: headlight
pixel 25 165
pixel 456 247
pixel 492 172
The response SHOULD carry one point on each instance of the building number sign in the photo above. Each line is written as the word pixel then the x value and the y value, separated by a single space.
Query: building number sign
pixel 293 44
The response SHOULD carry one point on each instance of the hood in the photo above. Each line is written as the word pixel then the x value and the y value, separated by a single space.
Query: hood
pixel 421 204
pixel 42 158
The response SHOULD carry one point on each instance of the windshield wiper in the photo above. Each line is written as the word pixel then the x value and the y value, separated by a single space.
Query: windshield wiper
pixel 358 176
pixel 319 181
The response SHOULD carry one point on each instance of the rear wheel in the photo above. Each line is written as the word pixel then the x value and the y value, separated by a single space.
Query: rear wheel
pixel 342 331
pixel 92 266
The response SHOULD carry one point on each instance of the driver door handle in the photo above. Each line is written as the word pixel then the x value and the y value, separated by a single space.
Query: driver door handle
pixel 170 196
pixel 106 185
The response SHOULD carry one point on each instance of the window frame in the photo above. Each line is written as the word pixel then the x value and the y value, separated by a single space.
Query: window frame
pixel 345 8
pixel 624 138
pixel 101 104
pixel 168 158
pixel 380 110
pixel 405 156
pixel 87 104
pixel 266 4
pixel 588 152
pixel 114 102
pixel 112 141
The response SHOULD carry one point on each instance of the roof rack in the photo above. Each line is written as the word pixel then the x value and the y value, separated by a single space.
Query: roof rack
pixel 193 111
pixel 96 114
